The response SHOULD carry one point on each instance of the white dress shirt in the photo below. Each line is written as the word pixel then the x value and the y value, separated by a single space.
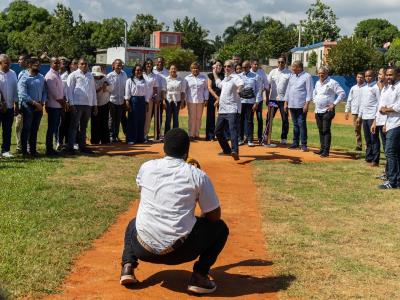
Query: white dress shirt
pixel 117 83
pixel 393 101
pixel 252 81
pixel 162 84
pixel 8 87
pixel 299 90
pixel 64 77
pixel 384 99
pixel 196 88
pixel 135 87
pixel 263 78
pixel 81 89
pixel 278 82
pixel 175 88
pixel 152 82
pixel 369 101
pixel 327 93
pixel 169 191
pixel 229 100
pixel 354 99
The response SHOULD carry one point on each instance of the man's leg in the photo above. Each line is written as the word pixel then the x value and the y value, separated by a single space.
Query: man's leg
pixel 285 120
pixel 357 131
pixel 303 127
pixel 233 121
pixel 104 112
pixel 319 120
pixel 242 122
pixel 222 122
pixel 95 130
pixel 368 141
pixel 53 121
pixel 259 113
pixel 326 131
pixel 37 117
pixel 375 145
pixel 210 122
pixel 83 122
pixel 296 128
pixel 73 127
pixel 26 118
pixel 18 130
pixel 249 122
pixel 392 156
pixel 7 119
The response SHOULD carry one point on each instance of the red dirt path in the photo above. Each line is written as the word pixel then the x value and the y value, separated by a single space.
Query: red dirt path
pixel 243 270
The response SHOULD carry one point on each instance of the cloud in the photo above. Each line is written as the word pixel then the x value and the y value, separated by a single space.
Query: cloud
pixel 216 15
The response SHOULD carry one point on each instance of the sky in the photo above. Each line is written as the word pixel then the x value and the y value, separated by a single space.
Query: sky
pixel 216 15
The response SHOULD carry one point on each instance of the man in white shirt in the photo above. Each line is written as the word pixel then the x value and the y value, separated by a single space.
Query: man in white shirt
pixel 366 116
pixel 162 73
pixel 278 79
pixel 166 230
pixel 8 100
pixel 229 109
pixel 297 99
pixel 353 106
pixel 117 80
pixel 82 100
pixel 326 95
pixel 391 109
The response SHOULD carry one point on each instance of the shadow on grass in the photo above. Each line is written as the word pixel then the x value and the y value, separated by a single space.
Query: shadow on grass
pixel 229 284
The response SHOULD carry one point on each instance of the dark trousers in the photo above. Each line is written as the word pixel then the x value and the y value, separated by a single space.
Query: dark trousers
pixel 383 141
pixel 53 124
pixel 6 121
pixel 232 120
pixel 116 112
pixel 63 129
pixel 324 122
pixel 210 120
pixel 172 113
pixel 373 145
pixel 247 122
pixel 259 121
pixel 79 120
pixel 31 122
pixel 299 119
pixel 99 130
pixel 206 241
pixel 136 119
pixel 284 116
pixel 393 156
pixel 124 121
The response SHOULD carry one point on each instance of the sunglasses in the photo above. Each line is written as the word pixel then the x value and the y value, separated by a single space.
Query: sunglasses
pixel 228 66
pixel 281 62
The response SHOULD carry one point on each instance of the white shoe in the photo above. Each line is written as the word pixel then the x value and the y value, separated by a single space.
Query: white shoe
pixel 283 142
pixel 241 143
pixel 7 155
pixel 131 143
pixel 76 146
pixel 250 144
pixel 270 145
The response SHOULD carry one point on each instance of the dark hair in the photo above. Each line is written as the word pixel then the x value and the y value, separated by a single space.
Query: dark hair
pixel 176 143
pixel 34 60
pixel 133 72
pixel 148 60
pixel 361 73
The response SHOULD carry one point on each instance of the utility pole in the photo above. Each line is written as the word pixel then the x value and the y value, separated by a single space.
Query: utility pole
pixel 126 41
pixel 299 43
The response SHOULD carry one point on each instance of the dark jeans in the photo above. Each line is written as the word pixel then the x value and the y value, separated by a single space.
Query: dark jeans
pixel 172 113
pixel 324 122
pixel 373 150
pixel 284 116
pixel 63 129
pixel 99 130
pixel 393 156
pixel 79 120
pixel 299 119
pixel 53 123
pixel 382 135
pixel 247 122
pixel 232 120
pixel 136 119
pixel 30 127
pixel 6 121
pixel 206 241
pixel 210 120
pixel 115 119
pixel 259 121
pixel 124 122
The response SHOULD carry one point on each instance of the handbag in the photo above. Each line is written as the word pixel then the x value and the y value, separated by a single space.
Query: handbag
pixel 247 93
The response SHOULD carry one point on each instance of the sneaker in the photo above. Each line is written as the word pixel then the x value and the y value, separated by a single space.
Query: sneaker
pixel 283 142
pixel 76 146
pixel 304 148
pixel 386 186
pixel 127 275
pixel 293 146
pixel 201 284
pixel 7 155
pixel 270 145
pixel 324 155
pixel 382 177
pixel 235 155
pixel 131 143
pixel 251 144
pixel 319 152
pixel 241 143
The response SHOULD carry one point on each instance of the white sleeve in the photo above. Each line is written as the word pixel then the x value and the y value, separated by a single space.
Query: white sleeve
pixel 128 89
pixel 208 199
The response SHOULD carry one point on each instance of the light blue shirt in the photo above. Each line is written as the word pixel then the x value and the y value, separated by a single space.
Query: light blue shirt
pixel 32 88
pixel 8 87
pixel 252 81
pixel 299 90
pixel 22 72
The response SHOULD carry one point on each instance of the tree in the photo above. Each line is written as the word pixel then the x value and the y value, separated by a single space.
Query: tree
pixel 320 24
pixel 312 59
pixel 141 29
pixel 379 31
pixel 182 58
pixel 242 44
pixel 108 33
pixel 393 54
pixel 352 55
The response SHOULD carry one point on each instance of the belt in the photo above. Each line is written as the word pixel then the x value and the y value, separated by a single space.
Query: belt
pixel 167 250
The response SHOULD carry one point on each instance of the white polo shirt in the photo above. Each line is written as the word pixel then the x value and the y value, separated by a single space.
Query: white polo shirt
pixel 393 101
pixel 278 80
pixel 354 99
pixel 327 93
pixel 196 88
pixel 229 100
pixel 170 189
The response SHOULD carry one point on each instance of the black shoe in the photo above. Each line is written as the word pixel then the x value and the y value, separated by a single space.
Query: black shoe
pixel 319 152
pixel 386 186
pixel 293 146
pixel 51 152
pixel 34 154
pixel 201 284
pixel 324 155
pixel 127 275
pixel 235 155
pixel 71 151
pixel 224 154
pixel 86 151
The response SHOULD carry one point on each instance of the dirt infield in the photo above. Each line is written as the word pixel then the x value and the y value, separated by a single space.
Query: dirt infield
pixel 243 270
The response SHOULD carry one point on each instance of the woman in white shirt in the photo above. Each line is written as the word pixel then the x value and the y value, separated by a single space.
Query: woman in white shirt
pixel 175 98
pixel 152 97
pixel 135 98
pixel 196 97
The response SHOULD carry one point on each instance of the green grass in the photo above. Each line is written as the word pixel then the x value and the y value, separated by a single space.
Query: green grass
pixel 328 225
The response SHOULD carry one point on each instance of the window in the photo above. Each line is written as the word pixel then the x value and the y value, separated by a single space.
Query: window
pixel 168 39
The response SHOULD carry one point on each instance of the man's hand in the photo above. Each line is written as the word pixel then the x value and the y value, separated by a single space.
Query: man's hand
pixel 305 108
pixel 216 104
pixel 72 108
pixel 95 110
pixel 104 87
pixel 183 104
pixel 254 108
pixel 128 106
pixel 385 110
pixel 331 107
pixel 384 129
pixel 373 128
pixel 346 116
pixel 38 106
pixel 359 120
pixel 285 106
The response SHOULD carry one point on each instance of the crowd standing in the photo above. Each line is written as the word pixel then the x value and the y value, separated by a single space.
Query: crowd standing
pixel 235 91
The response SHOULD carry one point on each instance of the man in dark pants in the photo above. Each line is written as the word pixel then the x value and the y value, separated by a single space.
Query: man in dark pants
pixel 165 230
pixel 229 109
pixel 327 94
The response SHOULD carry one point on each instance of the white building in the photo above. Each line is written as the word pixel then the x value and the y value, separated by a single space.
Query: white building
pixel 321 49
pixel 130 56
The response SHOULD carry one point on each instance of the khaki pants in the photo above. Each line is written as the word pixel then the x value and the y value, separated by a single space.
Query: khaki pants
pixel 195 111
pixel 149 114
pixel 18 131
pixel 357 130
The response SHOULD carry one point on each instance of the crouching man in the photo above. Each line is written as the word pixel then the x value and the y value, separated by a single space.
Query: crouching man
pixel 165 230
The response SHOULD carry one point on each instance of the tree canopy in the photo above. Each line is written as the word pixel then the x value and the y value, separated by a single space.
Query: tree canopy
pixel 379 31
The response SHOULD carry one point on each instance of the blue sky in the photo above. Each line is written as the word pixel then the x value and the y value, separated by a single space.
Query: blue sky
pixel 216 15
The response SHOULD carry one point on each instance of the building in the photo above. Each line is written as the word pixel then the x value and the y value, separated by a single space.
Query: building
pixel 161 39
pixel 130 56
pixel 321 49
